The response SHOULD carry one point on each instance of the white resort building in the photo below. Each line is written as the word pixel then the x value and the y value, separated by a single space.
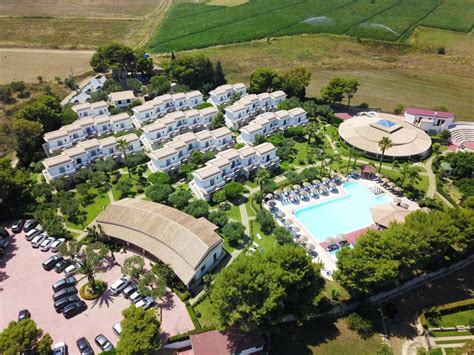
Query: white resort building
pixel 245 109
pixel 177 122
pixel 176 152
pixel 428 120
pixel 91 110
pixel 84 153
pixel 269 122
pixel 83 128
pixel 121 99
pixel 230 164
pixel 223 94
pixel 163 104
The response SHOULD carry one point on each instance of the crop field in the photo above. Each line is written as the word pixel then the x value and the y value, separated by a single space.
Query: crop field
pixel 389 73
pixel 197 25
pixel 77 23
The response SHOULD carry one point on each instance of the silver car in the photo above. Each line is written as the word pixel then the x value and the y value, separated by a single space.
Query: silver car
pixel 47 243
pixel 71 269
pixel 36 242
pixel 55 245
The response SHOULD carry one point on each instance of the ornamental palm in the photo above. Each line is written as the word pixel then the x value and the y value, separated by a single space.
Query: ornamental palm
pixel 262 176
pixel 384 144
pixel 122 145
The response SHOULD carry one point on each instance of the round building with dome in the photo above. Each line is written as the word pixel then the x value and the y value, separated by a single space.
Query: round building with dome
pixel 364 132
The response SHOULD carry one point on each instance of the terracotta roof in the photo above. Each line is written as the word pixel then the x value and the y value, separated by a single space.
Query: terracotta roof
pixel 221 132
pixel 251 128
pixel 80 107
pixel 206 172
pixel 229 154
pixel 343 115
pixel 202 135
pixel 219 162
pixel 99 104
pixel 101 119
pixel 246 151
pixel 236 107
pixel 143 108
pixel 194 93
pixel 172 236
pixel 430 113
pixel 296 111
pixel 153 126
pixel 163 152
pixel 90 143
pixel 108 141
pixel 208 111
pixel 225 343
pixel 264 148
pixel 57 160
pixel 122 95
pixel 75 151
pixel 55 134
pixel 131 137
pixel 279 93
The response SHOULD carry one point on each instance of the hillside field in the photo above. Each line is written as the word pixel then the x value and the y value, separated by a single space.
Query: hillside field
pixel 389 74
pixel 198 25
pixel 77 24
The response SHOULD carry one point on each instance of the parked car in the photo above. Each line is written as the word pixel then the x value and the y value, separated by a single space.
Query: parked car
pixel 135 297
pixel 52 261
pixel 84 347
pixel 29 225
pixel 64 301
pixel 32 233
pixel 55 245
pixel 103 343
pixel 47 243
pixel 119 285
pixel 129 290
pixel 24 314
pixel 36 242
pixel 60 266
pixel 343 243
pixel 4 233
pixel 146 303
pixel 71 269
pixel 17 226
pixel 117 328
pixel 63 283
pixel 332 247
pixel 65 292
pixel 4 243
pixel 74 309
pixel 60 349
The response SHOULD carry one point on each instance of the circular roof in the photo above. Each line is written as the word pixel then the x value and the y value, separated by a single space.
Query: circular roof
pixel 365 131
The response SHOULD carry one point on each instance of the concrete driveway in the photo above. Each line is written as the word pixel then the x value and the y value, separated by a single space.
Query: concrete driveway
pixel 24 284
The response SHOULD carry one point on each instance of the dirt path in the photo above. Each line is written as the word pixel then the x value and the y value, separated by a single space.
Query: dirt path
pixel 431 178
pixel 46 50
pixel 161 12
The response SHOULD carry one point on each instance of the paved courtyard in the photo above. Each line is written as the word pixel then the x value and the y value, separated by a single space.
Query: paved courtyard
pixel 24 284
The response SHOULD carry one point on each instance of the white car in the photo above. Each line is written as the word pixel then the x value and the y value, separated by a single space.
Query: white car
pixel 47 243
pixel 36 242
pixel 119 285
pixel 71 269
pixel 117 328
pixel 135 297
pixel 55 245
pixel 146 303
pixel 60 349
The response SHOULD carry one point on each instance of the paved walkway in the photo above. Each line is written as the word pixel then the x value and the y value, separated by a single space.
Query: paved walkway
pixel 111 196
pixel 431 178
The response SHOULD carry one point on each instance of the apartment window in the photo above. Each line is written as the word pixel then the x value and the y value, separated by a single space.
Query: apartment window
pixel 62 170
pixel 215 256
pixel 168 162
pixel 122 125
pixel 119 102
pixel 75 136
pixel 211 182
pixel 250 161
pixel 190 146
pixel 78 161
pixel 104 127
pixel 180 154
pixel 203 268
pixel 111 150
pixel 60 143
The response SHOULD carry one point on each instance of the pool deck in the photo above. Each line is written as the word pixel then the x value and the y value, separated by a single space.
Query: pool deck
pixel 329 263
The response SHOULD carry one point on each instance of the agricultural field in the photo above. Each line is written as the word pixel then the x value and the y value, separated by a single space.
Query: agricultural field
pixel 390 74
pixel 198 25
pixel 77 24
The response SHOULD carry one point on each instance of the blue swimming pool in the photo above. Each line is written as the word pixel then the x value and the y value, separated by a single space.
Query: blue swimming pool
pixel 344 214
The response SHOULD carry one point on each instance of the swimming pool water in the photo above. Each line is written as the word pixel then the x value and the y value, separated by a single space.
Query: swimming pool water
pixel 343 214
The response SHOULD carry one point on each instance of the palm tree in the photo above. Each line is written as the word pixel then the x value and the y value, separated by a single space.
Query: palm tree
pixel 384 144
pixel 404 169
pixel 92 261
pixel 413 174
pixel 336 159
pixel 321 154
pixel 262 176
pixel 351 155
pixel 329 161
pixel 122 145
pixel 311 130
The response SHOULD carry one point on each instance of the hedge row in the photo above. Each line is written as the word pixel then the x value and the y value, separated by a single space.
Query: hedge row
pixel 185 336
pixel 446 309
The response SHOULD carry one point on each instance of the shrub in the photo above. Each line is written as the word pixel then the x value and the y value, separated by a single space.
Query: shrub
pixel 88 294
pixel 360 325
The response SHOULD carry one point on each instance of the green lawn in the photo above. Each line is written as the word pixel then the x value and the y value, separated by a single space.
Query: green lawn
pixel 268 241
pixel 250 211
pixel 450 334
pixel 206 309
pixel 94 209
pixel 323 336
pixel 234 213
pixel 454 319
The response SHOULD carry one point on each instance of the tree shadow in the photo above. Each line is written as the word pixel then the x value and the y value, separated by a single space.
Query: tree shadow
pixel 8 254
pixel 294 339
pixel 104 300
pixel 108 264
pixel 167 302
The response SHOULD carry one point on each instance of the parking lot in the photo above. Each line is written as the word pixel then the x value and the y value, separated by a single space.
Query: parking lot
pixel 24 284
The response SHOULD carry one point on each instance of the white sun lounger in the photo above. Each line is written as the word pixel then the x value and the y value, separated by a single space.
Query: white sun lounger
pixel 259 236
pixel 255 244
pixel 252 249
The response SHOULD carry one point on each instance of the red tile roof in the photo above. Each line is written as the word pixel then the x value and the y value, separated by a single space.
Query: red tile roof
pixel 430 113
pixel 216 343
pixel 368 169
pixel 343 115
